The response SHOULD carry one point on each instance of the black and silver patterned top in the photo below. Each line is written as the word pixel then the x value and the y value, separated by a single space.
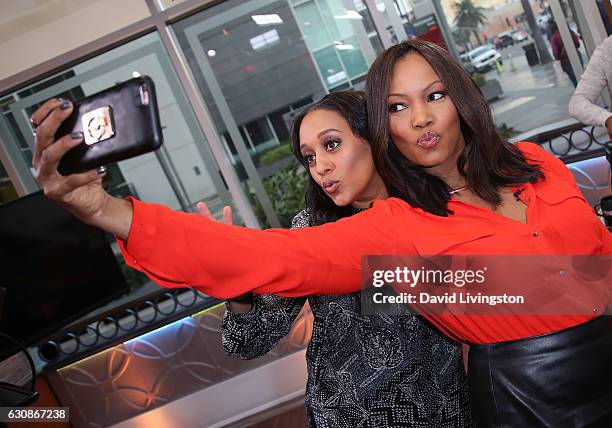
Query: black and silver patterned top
pixel 363 370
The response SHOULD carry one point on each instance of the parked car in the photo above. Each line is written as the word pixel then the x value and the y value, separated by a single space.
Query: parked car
pixel 467 65
pixel 520 36
pixel 482 58
pixel 504 40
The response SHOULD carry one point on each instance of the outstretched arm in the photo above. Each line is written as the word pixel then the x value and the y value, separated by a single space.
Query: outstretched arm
pixel 177 249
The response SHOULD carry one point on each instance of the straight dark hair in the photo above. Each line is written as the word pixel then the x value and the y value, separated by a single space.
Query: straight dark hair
pixel 351 106
pixel 487 162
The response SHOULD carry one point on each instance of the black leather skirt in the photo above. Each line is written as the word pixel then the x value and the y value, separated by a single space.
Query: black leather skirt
pixel 561 379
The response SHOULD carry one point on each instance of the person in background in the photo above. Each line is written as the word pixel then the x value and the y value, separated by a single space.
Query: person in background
pixel 560 53
pixel 358 364
pixel 596 78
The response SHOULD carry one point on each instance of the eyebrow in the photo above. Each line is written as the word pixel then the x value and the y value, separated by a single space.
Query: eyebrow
pixel 325 131
pixel 399 94
pixel 320 134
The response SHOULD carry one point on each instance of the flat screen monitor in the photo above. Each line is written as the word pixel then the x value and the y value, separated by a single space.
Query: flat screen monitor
pixel 55 269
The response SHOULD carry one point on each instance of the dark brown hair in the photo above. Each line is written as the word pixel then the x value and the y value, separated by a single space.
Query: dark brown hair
pixel 351 105
pixel 487 162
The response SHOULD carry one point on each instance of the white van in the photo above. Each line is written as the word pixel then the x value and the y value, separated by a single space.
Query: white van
pixel 482 58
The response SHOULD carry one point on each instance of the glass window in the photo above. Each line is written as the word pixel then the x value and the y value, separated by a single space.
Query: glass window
pixel 311 23
pixel 260 132
pixel 180 174
pixel 331 67
pixel 258 61
pixel 269 38
pixel 332 32
pixel 352 58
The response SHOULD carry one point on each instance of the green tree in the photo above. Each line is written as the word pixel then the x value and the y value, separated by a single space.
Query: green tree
pixel 462 37
pixel 469 17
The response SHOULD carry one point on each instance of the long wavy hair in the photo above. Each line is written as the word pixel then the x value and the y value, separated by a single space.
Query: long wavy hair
pixel 351 106
pixel 487 162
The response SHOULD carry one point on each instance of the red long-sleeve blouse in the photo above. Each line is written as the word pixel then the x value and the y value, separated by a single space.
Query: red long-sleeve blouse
pixel 177 249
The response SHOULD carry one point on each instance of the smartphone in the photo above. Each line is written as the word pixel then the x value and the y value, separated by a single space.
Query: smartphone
pixel 118 123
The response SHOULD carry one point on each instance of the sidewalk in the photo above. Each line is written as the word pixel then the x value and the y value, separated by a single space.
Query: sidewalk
pixel 533 96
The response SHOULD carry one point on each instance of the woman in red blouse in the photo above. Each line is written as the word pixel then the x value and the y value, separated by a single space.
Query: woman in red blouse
pixel 458 190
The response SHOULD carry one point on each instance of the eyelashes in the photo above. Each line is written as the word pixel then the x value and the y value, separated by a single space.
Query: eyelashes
pixel 439 94
pixel 329 145
pixel 331 142
pixel 433 96
pixel 394 108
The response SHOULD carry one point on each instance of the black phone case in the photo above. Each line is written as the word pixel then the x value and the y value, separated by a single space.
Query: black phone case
pixel 134 126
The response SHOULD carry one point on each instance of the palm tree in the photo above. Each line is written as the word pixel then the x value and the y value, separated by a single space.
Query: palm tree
pixel 462 37
pixel 535 32
pixel 468 17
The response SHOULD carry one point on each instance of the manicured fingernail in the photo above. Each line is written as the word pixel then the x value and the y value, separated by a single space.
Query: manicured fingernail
pixel 101 170
pixel 65 104
pixel 77 135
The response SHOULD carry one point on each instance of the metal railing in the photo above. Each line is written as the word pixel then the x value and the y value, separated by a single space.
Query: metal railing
pixel 570 141
pixel 110 327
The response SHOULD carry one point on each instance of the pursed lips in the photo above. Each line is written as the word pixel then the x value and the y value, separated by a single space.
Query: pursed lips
pixel 330 186
pixel 428 139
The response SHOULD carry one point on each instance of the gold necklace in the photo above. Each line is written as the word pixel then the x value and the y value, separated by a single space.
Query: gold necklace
pixel 459 189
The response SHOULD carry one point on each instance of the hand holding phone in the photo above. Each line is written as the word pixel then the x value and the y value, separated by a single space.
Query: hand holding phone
pixel 117 124
pixel 82 194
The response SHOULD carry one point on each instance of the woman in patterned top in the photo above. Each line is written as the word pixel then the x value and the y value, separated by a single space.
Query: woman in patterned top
pixel 366 370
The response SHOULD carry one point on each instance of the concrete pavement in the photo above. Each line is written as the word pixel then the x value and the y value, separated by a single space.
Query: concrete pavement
pixel 533 96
